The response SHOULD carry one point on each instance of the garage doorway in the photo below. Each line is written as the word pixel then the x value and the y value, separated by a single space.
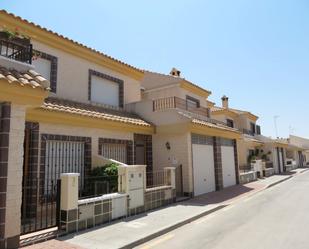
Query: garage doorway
pixel 228 166
pixel 203 165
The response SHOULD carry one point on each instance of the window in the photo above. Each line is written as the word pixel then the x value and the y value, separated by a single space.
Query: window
pixel 230 123
pixel 46 65
pixel 43 67
pixel 192 102
pixel 252 128
pixel 105 89
pixel 258 130
pixel 117 152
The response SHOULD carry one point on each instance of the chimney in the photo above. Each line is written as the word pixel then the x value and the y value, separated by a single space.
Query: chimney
pixel 225 102
pixel 175 72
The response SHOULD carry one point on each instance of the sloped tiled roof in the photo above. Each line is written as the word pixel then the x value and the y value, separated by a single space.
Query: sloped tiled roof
pixel 210 124
pixel 236 111
pixel 29 78
pixel 251 139
pixel 71 107
pixel 180 79
pixel 68 39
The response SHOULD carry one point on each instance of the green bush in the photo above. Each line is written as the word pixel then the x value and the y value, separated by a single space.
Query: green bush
pixel 101 180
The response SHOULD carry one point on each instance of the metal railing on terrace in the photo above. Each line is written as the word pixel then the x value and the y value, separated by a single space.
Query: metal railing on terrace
pixel 15 48
pixel 175 102
pixel 248 132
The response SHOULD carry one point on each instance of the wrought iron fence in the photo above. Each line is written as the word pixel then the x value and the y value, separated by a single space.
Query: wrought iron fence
pixel 94 186
pixel 245 169
pixel 40 205
pixel 156 178
pixel 16 51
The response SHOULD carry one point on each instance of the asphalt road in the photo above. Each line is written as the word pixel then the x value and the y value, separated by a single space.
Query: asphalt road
pixel 277 218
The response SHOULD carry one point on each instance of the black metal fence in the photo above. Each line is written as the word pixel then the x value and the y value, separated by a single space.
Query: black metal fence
pixel 245 168
pixel 40 205
pixel 94 186
pixel 156 179
pixel 16 51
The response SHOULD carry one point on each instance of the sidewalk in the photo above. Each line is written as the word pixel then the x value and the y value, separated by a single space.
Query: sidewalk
pixel 136 230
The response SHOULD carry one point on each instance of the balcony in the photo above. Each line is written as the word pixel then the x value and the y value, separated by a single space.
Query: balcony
pixel 178 103
pixel 202 113
pixel 15 48
pixel 248 132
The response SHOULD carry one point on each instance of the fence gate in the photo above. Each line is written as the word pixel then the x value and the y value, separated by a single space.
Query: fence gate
pixel 40 191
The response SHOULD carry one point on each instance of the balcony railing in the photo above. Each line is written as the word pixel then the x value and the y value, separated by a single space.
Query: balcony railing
pixel 16 48
pixel 175 102
pixel 248 132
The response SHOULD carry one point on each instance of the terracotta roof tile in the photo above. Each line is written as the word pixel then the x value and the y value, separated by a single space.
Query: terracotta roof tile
pixel 207 122
pixel 236 111
pixel 67 106
pixel 68 39
pixel 212 125
pixel 29 78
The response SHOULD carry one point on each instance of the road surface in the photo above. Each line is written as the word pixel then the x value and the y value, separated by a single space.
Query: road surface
pixel 277 218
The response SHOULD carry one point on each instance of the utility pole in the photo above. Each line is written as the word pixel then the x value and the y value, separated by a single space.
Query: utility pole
pixel 276 127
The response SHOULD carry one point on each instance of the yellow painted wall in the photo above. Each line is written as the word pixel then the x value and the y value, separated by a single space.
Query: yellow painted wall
pixel 72 77
pixel 180 153
pixel 95 134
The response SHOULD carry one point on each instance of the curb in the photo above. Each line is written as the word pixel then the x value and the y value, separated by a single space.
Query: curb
pixel 275 183
pixel 191 219
pixel 171 228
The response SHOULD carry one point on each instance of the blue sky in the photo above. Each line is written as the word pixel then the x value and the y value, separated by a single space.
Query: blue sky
pixel 256 52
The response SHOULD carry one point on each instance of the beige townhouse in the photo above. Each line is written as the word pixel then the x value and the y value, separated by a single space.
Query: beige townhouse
pixel 250 147
pixel 278 155
pixel 186 137
pixel 298 150
pixel 62 106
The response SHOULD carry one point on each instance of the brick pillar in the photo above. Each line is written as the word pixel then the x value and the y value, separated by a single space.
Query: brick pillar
pixel 236 161
pixel 11 150
pixel 5 115
pixel 218 163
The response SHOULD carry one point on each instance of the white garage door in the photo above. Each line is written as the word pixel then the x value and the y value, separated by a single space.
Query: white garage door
pixel 280 160
pixel 203 169
pixel 228 166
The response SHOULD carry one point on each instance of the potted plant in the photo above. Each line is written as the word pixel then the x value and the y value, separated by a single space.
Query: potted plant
pixel 14 36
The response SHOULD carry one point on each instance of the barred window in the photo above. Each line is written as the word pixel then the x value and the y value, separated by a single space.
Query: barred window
pixel 114 151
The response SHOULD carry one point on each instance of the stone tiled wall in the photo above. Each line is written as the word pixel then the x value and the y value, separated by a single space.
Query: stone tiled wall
pixel 218 163
pixel 236 161
pixel 13 125
pixel 158 197
pixel 5 115
pixel 99 212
